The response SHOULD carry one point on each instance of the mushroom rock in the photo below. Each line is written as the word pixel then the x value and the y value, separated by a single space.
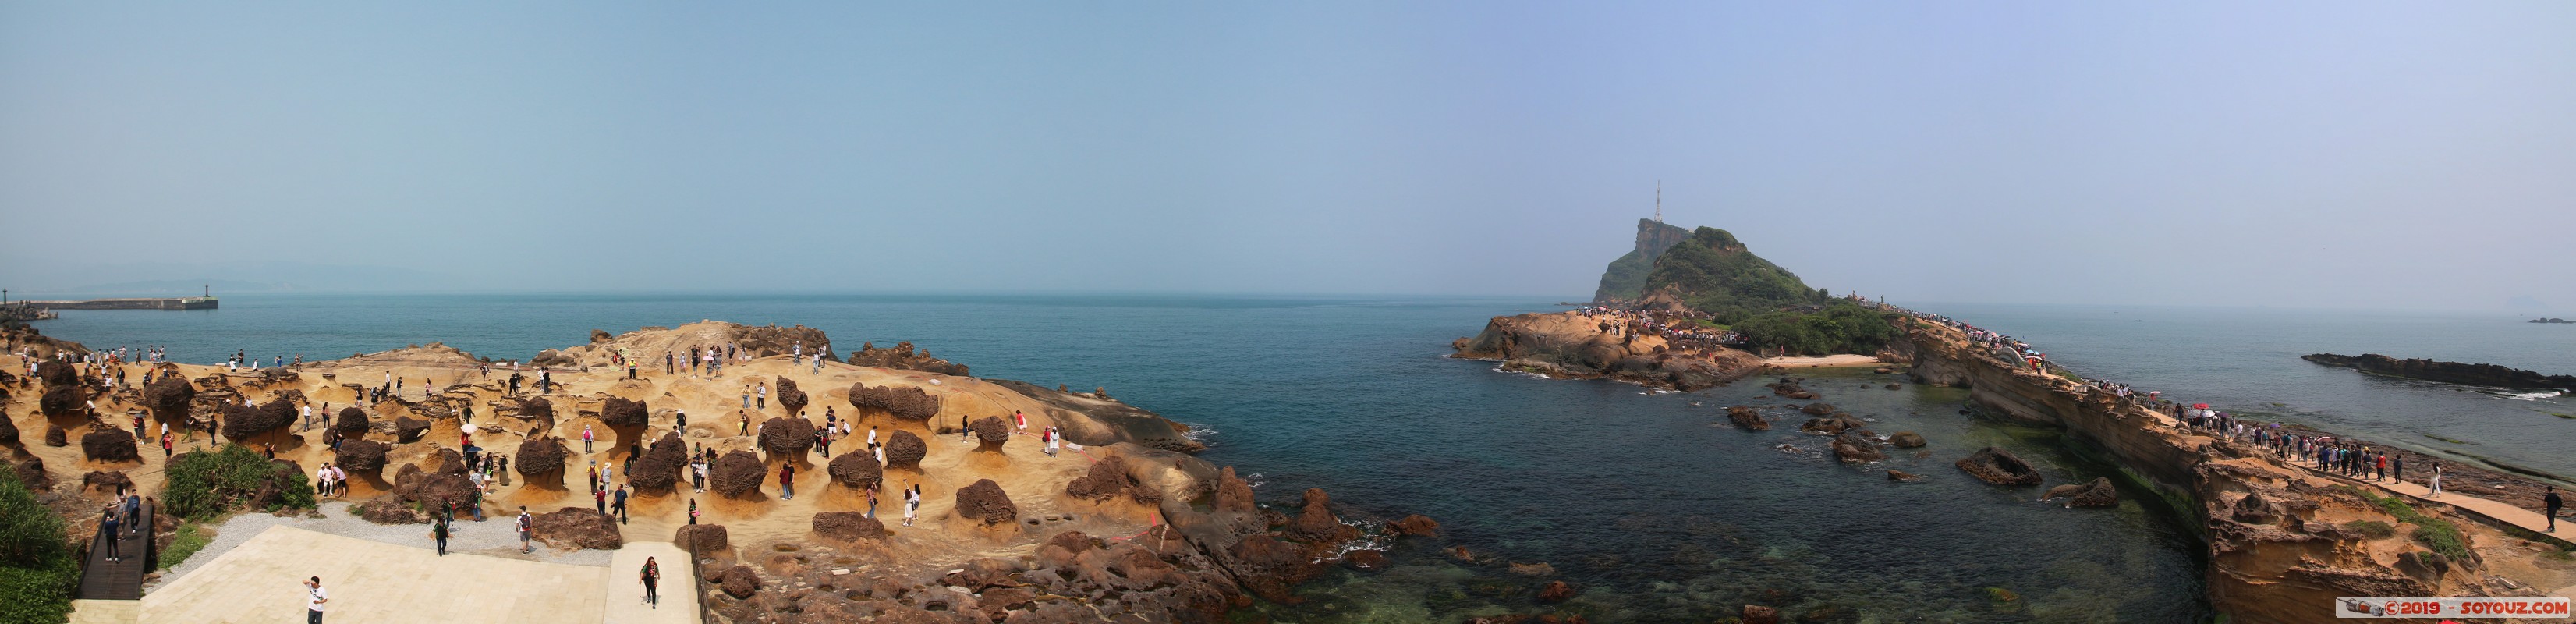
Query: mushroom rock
pixel 737 474
pixel 985 502
pixel 2098 493
pixel 360 455
pixel 619 412
pixel 243 422
pixel 57 374
pixel 701 538
pixel 1999 467
pixel 791 397
pixel 1906 439
pixel 168 398
pixel 540 456
pixel 537 407
pixel 578 527
pixel 353 421
pixel 906 403
pixel 54 436
pixel 60 401
pixel 740 581
pixel 848 526
pixel 106 481
pixel 408 429
pixel 1416 524
pixel 991 432
pixel 658 471
pixel 1106 478
pixel 857 470
pixel 1316 524
pixel 1748 418
pixel 110 445
pixel 905 450
pixel 787 436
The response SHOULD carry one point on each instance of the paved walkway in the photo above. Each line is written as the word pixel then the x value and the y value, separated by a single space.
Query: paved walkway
pixel 371 581
pixel 679 596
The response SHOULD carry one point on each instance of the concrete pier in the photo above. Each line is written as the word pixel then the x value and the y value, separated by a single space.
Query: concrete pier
pixel 169 303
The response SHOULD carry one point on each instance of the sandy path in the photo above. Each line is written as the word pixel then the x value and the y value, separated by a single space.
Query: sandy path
pixel 1845 359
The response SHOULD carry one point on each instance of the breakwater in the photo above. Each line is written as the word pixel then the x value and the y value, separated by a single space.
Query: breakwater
pixel 138 303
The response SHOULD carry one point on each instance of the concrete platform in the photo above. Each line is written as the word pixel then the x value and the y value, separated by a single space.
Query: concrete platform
pixel 679 595
pixel 369 581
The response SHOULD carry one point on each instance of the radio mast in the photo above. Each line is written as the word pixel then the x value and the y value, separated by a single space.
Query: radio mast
pixel 1659 201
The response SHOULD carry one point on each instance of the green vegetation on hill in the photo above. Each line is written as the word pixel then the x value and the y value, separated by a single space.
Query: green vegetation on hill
pixel 1842 327
pixel 37 571
pixel 1626 277
pixel 1714 273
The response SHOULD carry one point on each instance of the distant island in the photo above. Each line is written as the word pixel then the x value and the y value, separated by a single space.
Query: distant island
pixel 2489 375
pixel 2553 320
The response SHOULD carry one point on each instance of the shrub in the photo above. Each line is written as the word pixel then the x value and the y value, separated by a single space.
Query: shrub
pixel 190 538
pixel 37 572
pixel 2372 529
pixel 202 484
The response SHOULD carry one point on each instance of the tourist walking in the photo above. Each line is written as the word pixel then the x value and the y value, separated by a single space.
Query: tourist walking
pixel 693 511
pixel 107 529
pixel 620 505
pixel 2552 502
pixel 601 498
pixel 585 439
pixel 438 532
pixel 787 481
pixel 313 600
pixel 527 528
pixel 763 399
pixel 652 577
pixel 2436 483
pixel 911 504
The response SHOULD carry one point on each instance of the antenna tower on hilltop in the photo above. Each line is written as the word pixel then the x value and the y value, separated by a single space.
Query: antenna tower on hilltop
pixel 1659 201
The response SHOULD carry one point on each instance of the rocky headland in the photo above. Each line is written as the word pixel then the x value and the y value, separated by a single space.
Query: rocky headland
pixel 2488 375
pixel 1572 345
pixel 1125 524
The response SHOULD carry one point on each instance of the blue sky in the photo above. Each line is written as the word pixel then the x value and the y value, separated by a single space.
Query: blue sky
pixel 2355 154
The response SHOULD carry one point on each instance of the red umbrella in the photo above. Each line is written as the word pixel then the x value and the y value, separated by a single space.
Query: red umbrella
pixel 2200 406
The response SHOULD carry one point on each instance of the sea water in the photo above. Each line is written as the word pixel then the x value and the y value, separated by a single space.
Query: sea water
pixel 1648 503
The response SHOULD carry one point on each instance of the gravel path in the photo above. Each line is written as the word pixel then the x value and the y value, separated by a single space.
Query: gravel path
pixel 492 537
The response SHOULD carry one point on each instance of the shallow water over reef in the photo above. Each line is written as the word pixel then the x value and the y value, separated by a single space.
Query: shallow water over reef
pixel 1648 503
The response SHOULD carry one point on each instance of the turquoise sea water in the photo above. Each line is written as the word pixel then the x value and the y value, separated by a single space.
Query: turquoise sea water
pixel 1647 502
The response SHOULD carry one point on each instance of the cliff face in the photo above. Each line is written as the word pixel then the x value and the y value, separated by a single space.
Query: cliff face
pixel 2281 540
pixel 1572 346
pixel 1626 279
pixel 2489 375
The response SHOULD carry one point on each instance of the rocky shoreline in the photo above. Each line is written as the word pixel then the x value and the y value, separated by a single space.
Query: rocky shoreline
pixel 2488 375
pixel 1124 524
pixel 1568 345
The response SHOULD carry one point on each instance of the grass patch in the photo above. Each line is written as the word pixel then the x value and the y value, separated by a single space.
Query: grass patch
pixel 2567 416
pixel 2434 533
pixel 2372 529
pixel 190 538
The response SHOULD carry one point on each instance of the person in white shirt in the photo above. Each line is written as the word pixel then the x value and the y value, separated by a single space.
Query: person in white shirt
pixel 314 597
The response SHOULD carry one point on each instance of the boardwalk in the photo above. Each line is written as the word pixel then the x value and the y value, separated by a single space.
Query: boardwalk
pixel 121 579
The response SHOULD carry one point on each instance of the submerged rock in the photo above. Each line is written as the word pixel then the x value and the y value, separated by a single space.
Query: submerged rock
pixel 2099 493
pixel 1748 418
pixel 1999 467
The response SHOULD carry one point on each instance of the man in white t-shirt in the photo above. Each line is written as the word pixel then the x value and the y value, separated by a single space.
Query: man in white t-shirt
pixel 314 599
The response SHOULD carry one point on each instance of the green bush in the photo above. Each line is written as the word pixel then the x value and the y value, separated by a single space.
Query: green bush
pixel 1839 328
pixel 2372 529
pixel 202 484
pixel 37 573
pixel 2434 533
pixel 189 539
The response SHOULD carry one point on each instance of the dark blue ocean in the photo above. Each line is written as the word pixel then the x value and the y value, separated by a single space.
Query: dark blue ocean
pixel 1652 507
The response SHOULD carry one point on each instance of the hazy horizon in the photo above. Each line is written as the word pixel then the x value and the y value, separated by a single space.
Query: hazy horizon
pixel 2297 155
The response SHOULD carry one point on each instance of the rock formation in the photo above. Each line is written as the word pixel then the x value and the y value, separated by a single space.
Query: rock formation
pixel 791 398
pixel 541 457
pixel 61 400
pixel 352 422
pixel 1857 446
pixel 991 432
pixel 848 526
pixel 1906 439
pixel 905 450
pixel 408 429
pixel 1626 278
pixel 2000 467
pixel 1316 523
pixel 787 437
pixel 360 455
pixel 737 474
pixel 903 402
pixel 110 446
pixel 856 470
pixel 903 357
pixel 660 470
pixel 240 423
pixel 2488 375
pixel 1572 346
pixel 984 502
pixel 168 398
pixel 1108 478
pixel 2098 493
pixel 1748 418
pixel 617 412
pixel 577 527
